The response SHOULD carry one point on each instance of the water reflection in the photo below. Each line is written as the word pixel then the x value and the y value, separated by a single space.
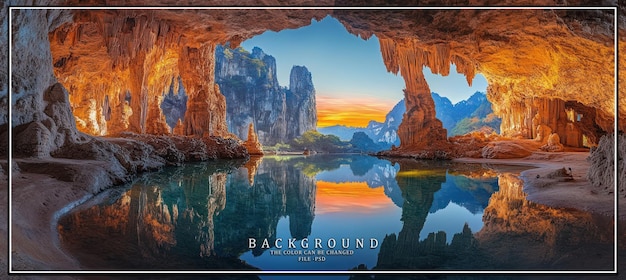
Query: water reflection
pixel 423 215
pixel 406 252
pixel 540 237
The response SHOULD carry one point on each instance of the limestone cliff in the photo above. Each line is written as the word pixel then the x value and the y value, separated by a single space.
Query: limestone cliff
pixel 253 96
pixel 301 110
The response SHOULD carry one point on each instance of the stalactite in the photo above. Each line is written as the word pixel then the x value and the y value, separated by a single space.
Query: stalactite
pixel 132 57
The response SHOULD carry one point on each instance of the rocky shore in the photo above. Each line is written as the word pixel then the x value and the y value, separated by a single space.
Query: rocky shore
pixel 45 188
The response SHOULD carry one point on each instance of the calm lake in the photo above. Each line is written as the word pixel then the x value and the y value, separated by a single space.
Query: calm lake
pixel 332 213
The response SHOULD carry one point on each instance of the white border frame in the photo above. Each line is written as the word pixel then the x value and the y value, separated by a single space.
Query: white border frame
pixel 318 272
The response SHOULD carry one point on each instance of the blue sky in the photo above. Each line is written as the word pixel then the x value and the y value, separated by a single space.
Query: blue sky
pixel 347 69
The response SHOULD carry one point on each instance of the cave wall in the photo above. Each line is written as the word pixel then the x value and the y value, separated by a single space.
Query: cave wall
pixel 31 70
pixel 102 58
pixel 535 118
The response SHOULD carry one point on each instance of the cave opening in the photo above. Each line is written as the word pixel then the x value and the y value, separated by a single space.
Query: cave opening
pixel 352 86
pixel 174 104
pixel 354 90
pixel 171 95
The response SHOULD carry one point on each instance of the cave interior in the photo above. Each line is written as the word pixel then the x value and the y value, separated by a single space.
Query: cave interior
pixel 123 69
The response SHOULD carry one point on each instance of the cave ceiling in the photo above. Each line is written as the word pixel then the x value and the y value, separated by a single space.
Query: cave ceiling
pixel 525 55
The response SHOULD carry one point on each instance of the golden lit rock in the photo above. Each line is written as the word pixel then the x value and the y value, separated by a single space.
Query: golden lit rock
pixel 252 144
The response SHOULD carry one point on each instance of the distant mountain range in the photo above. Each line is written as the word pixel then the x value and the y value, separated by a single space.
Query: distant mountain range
pixel 384 133
pixel 475 113
pixel 461 118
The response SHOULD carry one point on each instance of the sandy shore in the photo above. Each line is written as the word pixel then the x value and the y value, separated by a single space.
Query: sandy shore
pixel 38 200
pixel 556 192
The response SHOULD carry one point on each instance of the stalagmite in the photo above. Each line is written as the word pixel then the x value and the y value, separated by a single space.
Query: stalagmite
pixel 252 144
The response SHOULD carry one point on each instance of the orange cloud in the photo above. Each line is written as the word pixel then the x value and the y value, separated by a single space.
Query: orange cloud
pixel 351 112
pixel 353 197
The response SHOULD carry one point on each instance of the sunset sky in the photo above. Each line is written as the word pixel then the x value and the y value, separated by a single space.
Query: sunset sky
pixel 351 81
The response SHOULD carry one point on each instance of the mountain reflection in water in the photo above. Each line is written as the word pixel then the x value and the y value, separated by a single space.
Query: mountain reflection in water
pixel 424 215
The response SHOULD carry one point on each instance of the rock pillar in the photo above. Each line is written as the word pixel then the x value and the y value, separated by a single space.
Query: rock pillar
pixel 252 144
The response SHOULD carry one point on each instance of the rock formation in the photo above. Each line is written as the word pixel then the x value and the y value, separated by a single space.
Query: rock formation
pixel 252 144
pixel 602 158
pixel 536 118
pixel 419 128
pixel 553 144
pixel 253 95
pixel 301 110
pixel 129 66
